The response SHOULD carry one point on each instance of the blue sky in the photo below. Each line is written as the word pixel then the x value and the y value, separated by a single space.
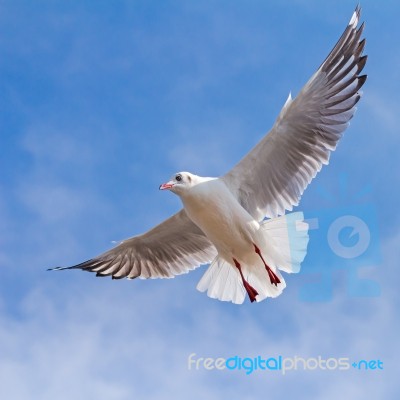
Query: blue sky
pixel 102 101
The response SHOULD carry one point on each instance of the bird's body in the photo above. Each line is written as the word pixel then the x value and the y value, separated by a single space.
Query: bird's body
pixel 223 220
pixel 247 252
pixel 216 211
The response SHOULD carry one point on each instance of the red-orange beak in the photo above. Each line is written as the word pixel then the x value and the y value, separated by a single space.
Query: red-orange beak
pixel 167 185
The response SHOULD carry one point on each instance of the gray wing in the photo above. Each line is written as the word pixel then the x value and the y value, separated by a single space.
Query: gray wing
pixel 272 177
pixel 173 247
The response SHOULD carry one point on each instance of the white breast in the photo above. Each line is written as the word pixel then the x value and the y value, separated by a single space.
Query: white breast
pixel 213 208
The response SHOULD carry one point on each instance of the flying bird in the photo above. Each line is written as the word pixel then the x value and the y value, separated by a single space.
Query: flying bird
pixel 237 222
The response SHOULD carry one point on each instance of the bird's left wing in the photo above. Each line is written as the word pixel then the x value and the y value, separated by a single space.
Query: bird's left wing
pixel 173 247
pixel 272 177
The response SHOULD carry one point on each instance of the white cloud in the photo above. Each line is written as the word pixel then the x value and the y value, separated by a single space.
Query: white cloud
pixel 58 145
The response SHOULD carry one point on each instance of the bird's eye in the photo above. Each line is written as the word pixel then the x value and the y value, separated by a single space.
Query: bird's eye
pixel 178 178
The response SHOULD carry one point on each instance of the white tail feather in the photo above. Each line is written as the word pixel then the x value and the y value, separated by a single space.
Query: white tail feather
pixel 289 236
pixel 284 246
pixel 222 281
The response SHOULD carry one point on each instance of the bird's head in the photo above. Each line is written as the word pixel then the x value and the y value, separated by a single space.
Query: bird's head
pixel 180 182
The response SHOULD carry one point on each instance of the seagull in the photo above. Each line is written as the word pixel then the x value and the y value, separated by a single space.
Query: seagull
pixel 237 223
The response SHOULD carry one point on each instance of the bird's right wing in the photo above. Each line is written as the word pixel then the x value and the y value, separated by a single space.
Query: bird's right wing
pixel 173 247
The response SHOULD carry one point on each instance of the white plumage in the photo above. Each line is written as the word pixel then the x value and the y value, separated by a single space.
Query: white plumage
pixel 222 221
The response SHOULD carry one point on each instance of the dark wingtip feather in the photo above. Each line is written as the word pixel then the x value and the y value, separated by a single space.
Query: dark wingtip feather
pixel 361 28
pixel 56 268
pixel 117 277
pixel 361 46
pixel 358 10
pixel 361 80
pixel 100 274
pixel 362 62
pixel 77 266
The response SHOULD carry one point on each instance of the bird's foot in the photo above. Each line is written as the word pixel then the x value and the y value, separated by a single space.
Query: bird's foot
pixel 272 276
pixel 249 289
